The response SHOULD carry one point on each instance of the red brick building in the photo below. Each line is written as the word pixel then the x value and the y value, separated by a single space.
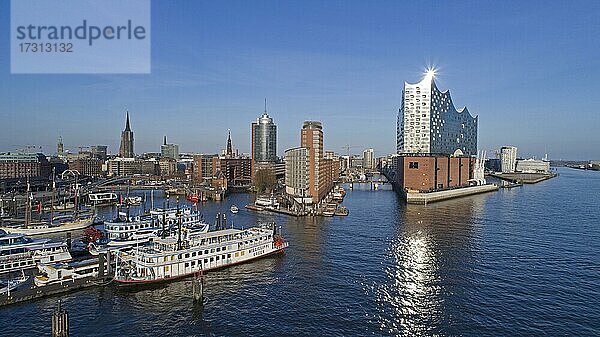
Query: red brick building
pixel 429 173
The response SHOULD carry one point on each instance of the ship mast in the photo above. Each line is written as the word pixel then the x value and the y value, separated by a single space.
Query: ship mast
pixel 52 200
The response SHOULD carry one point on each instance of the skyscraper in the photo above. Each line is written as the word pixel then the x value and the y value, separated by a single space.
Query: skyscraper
pixel 264 139
pixel 428 122
pixel 126 148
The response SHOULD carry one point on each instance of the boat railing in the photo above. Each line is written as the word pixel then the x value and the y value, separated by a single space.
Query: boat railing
pixel 15 257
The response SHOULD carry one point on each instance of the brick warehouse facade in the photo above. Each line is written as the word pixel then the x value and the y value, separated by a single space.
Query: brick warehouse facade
pixel 428 173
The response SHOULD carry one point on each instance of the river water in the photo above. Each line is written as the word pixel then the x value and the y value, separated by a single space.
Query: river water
pixel 523 261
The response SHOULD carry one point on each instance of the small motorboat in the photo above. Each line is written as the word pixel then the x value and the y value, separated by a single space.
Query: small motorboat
pixel 10 285
pixel 234 209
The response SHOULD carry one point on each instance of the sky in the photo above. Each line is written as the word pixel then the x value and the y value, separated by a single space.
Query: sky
pixel 528 69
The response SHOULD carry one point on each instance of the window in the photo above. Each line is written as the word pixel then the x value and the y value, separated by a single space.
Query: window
pixel 413 165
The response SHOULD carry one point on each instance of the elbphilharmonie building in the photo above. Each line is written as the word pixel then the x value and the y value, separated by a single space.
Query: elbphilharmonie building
pixel 430 124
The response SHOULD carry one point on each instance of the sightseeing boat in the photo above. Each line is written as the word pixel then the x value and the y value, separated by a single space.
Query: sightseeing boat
pixel 66 273
pixel 171 257
pixel 18 252
pixel 127 231
pixel 266 202
pixel 103 198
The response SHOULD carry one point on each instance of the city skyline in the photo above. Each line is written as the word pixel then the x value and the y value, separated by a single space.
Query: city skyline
pixel 343 71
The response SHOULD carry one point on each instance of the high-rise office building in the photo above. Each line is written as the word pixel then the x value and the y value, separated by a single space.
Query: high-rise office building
pixel 264 139
pixel 169 150
pixel 126 148
pixel 369 159
pixel 429 123
pixel 508 159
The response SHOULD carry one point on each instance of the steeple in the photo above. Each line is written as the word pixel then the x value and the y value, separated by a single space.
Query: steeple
pixel 126 148
pixel 229 152
pixel 127 127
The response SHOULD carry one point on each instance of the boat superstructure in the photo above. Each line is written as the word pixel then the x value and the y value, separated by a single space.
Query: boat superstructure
pixel 18 252
pixel 169 258
pixel 60 273
pixel 126 231
pixel 103 198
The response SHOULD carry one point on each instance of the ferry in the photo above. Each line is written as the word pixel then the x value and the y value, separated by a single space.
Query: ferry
pixel 65 273
pixel 266 202
pixel 170 258
pixel 105 198
pixel 18 252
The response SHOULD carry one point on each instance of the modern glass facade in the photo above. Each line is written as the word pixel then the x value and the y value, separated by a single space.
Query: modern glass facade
pixel 264 139
pixel 429 123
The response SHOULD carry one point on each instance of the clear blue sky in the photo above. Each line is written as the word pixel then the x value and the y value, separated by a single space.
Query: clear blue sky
pixel 529 69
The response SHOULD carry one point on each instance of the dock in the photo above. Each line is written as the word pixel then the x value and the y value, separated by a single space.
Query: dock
pixel 524 178
pixel 275 210
pixel 423 198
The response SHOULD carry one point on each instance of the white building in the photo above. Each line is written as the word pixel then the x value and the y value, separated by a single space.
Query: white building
pixel 428 122
pixel 297 171
pixel 533 166
pixel 508 159
pixel 369 160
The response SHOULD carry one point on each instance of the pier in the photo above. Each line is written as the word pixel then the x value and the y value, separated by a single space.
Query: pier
pixel 524 178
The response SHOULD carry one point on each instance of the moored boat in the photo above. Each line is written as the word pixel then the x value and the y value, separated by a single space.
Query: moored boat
pixel 266 202
pixel 42 228
pixel 18 252
pixel 60 273
pixel 171 258
pixel 11 284
pixel 103 198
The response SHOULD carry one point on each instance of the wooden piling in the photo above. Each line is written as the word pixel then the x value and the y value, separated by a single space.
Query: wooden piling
pixel 60 322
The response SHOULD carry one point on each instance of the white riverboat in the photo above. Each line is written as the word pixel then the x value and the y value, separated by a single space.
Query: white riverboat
pixel 18 252
pixel 65 273
pixel 127 231
pixel 169 258
pixel 103 198
pixel 266 202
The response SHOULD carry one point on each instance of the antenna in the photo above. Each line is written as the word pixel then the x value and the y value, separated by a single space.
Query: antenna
pixel 265 105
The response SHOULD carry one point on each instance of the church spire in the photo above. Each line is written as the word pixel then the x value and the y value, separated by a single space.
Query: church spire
pixel 127 127
pixel 229 147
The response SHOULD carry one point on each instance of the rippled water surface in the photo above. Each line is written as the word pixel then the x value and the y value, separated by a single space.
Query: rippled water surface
pixel 523 261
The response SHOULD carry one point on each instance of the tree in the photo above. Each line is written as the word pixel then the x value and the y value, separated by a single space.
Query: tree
pixel 264 180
